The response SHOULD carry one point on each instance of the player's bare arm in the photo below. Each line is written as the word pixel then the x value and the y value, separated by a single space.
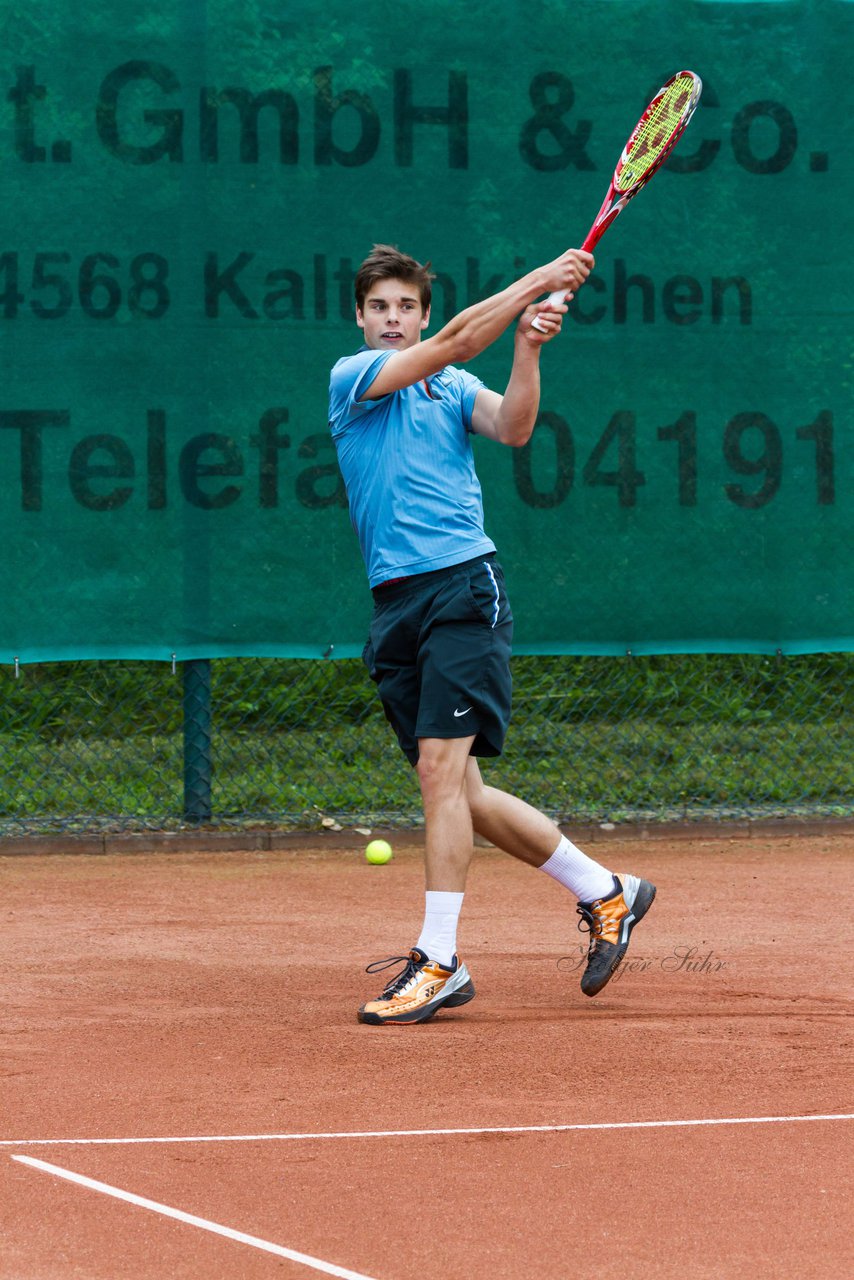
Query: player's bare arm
pixel 510 418
pixel 468 333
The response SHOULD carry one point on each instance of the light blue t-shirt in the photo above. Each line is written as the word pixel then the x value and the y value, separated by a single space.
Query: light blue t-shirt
pixel 415 500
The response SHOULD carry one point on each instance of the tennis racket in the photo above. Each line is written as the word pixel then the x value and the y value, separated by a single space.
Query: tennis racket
pixel 650 143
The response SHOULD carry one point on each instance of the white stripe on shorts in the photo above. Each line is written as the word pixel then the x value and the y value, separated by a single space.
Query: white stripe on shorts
pixel 488 567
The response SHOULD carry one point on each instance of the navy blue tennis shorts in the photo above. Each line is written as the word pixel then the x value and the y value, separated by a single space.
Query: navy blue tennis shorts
pixel 439 652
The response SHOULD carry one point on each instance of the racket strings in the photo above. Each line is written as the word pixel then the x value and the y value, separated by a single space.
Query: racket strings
pixel 656 131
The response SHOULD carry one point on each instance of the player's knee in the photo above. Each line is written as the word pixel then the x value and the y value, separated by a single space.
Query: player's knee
pixel 441 775
pixel 434 775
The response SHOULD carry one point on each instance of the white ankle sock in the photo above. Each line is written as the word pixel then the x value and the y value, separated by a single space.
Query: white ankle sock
pixel 587 879
pixel 439 933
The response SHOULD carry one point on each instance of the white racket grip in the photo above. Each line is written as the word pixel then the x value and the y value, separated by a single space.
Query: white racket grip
pixel 557 298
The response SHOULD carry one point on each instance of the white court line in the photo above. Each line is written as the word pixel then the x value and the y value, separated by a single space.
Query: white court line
pixel 328 1268
pixel 418 1133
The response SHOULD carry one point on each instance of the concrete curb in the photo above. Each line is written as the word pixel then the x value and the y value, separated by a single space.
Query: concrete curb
pixel 271 841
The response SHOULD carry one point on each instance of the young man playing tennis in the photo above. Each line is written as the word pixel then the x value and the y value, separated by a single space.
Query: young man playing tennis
pixel 401 416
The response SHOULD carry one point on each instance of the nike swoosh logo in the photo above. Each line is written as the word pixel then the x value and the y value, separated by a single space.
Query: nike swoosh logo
pixel 462 713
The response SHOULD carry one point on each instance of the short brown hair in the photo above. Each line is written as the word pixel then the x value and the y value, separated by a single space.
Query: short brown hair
pixel 386 262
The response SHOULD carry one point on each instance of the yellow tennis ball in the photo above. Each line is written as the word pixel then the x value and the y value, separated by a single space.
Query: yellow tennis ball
pixel 378 852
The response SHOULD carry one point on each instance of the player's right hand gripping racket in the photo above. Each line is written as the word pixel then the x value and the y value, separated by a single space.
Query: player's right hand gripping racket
pixel 650 142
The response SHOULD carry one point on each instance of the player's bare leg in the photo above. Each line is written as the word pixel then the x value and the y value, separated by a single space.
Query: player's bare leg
pixel 508 822
pixel 610 906
pixel 433 976
pixel 442 775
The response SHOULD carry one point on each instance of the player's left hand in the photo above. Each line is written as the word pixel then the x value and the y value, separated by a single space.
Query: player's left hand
pixel 551 317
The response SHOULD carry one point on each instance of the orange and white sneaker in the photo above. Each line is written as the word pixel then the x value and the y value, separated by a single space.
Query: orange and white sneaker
pixel 421 989
pixel 610 922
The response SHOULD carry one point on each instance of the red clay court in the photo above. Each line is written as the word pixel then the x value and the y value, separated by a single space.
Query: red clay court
pixel 187 1093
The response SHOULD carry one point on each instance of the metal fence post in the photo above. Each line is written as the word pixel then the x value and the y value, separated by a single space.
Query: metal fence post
pixel 197 740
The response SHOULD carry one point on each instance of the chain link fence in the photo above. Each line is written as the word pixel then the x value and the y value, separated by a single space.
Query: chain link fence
pixel 122 746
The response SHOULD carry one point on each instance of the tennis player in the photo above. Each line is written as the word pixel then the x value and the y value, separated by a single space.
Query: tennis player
pixel 402 416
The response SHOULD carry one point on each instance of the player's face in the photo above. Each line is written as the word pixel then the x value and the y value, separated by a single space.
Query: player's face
pixel 392 318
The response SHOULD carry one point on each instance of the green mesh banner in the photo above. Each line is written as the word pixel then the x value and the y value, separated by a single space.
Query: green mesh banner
pixel 187 189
